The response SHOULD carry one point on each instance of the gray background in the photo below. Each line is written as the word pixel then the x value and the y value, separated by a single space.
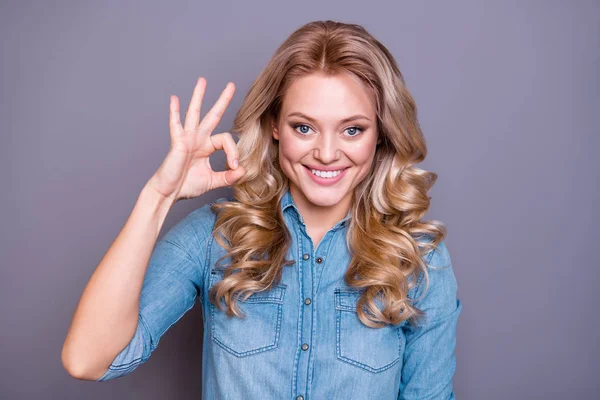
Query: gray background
pixel 508 98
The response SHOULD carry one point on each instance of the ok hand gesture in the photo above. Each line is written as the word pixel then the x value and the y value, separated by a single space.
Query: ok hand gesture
pixel 186 171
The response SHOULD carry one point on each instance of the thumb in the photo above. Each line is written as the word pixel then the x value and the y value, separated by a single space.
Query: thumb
pixel 229 177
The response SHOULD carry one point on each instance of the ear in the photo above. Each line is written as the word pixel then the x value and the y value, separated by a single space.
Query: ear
pixel 275 131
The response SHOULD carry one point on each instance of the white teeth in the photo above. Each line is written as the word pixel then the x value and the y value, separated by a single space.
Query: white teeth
pixel 326 174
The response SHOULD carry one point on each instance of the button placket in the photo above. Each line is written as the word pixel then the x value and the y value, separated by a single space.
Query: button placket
pixel 307 301
pixel 306 269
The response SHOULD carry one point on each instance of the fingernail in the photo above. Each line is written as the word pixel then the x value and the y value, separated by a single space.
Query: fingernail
pixel 235 163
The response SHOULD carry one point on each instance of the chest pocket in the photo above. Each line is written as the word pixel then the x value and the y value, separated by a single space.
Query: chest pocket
pixel 372 349
pixel 259 331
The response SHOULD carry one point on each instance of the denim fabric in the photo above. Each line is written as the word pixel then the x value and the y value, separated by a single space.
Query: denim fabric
pixel 302 339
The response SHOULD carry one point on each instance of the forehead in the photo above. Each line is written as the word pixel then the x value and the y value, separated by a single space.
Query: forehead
pixel 326 97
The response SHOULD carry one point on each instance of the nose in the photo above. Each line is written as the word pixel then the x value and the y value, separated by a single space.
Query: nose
pixel 327 148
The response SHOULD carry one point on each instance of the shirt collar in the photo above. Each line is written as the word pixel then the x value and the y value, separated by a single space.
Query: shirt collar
pixel 288 202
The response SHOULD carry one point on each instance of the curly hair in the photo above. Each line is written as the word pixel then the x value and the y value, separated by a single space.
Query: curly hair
pixel 386 236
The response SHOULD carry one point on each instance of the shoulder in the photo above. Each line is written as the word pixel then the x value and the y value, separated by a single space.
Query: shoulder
pixel 441 272
pixel 439 257
pixel 205 213
pixel 199 223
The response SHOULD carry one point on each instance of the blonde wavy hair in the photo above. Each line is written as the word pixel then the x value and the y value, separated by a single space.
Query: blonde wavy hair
pixel 386 236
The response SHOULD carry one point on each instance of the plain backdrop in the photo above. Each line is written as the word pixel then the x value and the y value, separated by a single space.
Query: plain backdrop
pixel 508 99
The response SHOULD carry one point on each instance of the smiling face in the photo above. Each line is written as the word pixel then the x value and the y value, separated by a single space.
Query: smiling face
pixel 327 132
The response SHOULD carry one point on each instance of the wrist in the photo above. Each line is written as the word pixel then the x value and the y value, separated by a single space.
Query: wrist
pixel 155 203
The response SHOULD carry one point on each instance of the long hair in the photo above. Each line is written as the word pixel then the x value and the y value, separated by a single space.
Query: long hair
pixel 386 236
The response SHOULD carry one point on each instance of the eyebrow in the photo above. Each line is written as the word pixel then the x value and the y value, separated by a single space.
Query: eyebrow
pixel 351 118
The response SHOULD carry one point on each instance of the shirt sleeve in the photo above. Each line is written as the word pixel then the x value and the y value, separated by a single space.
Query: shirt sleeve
pixel 429 359
pixel 171 285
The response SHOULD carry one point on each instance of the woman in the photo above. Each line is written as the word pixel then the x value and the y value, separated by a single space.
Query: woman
pixel 318 279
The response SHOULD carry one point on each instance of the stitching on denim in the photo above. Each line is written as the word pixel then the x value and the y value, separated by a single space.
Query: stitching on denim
pixel 145 326
pixel 368 368
pixel 295 233
pixel 182 286
pixel 274 345
pixel 430 257
pixel 327 252
pixel 254 298
pixel 401 341
pixel 338 316
pixel 144 357
pixel 189 308
pixel 212 230
pixel 186 254
pixel 178 247
pixel 207 270
pixel 353 294
pixel 121 367
pixel 418 284
pixel 208 240
pixel 273 295
pixel 354 362
pixel 421 276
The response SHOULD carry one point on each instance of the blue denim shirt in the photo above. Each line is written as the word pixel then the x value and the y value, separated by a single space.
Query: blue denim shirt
pixel 302 339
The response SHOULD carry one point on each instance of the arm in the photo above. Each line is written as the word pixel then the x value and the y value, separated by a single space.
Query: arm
pixel 141 287
pixel 429 359
pixel 171 285
pixel 107 314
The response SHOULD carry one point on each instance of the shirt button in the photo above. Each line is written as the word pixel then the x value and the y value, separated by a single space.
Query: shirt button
pixel 305 347
pixel 307 301
pixel 299 397
pixel 319 260
pixel 305 256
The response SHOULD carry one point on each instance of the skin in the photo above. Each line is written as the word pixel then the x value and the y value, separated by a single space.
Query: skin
pixel 326 141
pixel 107 314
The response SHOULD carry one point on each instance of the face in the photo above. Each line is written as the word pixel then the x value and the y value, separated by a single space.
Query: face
pixel 327 133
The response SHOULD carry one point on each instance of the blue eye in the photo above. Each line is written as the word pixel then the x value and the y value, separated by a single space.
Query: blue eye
pixel 357 129
pixel 301 126
pixel 353 130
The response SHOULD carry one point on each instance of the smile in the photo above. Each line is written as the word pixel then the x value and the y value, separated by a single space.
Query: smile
pixel 326 174
pixel 325 177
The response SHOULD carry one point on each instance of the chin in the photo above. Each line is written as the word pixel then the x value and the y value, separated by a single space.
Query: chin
pixel 323 199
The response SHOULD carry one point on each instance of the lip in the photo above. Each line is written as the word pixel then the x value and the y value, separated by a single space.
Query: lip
pixel 325 168
pixel 325 181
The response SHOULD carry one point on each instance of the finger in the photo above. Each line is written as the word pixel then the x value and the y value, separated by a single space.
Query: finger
pixel 227 178
pixel 192 116
pixel 212 118
pixel 225 141
pixel 174 117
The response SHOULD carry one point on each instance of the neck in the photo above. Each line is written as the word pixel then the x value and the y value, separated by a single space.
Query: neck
pixel 320 217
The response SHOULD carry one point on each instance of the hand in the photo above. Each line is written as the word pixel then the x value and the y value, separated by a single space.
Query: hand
pixel 186 171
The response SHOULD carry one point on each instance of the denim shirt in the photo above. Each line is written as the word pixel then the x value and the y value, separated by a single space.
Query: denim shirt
pixel 302 339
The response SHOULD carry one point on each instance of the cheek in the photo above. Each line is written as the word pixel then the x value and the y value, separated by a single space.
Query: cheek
pixel 293 150
pixel 362 153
